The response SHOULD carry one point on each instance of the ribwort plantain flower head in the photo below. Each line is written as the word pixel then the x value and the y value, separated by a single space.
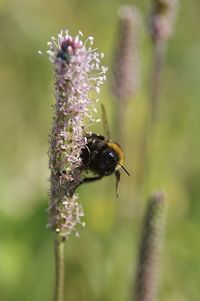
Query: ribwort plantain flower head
pixel 77 71
pixel 126 60
pixel 146 284
pixel 162 19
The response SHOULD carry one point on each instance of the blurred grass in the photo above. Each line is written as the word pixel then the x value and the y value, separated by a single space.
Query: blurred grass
pixel 99 265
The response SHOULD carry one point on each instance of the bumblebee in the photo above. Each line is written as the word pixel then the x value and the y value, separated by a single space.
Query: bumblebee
pixel 102 156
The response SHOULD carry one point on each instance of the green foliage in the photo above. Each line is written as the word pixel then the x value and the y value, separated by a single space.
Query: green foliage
pixel 99 265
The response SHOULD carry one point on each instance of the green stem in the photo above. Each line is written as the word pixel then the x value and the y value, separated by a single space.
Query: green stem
pixel 155 87
pixel 59 269
pixel 120 118
pixel 159 52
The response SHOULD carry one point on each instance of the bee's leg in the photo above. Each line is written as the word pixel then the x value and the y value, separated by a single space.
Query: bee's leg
pixel 91 179
pixel 117 175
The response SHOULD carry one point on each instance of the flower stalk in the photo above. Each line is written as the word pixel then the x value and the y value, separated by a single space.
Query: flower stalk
pixel 161 26
pixel 59 269
pixel 126 63
pixel 77 72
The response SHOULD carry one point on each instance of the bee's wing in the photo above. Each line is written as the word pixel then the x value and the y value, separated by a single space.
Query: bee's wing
pixel 105 122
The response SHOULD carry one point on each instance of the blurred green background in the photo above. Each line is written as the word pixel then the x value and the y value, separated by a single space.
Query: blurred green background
pixel 100 264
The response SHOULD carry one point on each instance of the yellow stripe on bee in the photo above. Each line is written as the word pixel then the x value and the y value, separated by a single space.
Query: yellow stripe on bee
pixel 117 148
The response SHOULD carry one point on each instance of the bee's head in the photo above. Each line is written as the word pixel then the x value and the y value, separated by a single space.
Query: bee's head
pixel 119 155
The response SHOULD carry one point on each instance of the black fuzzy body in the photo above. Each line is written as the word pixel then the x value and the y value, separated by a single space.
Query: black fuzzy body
pixel 98 156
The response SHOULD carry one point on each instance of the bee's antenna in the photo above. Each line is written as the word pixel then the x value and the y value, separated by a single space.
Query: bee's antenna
pixel 124 169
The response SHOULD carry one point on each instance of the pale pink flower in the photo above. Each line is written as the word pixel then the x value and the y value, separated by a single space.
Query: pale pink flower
pixel 77 71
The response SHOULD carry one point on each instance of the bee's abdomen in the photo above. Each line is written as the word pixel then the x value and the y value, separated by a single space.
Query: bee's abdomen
pixel 89 153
